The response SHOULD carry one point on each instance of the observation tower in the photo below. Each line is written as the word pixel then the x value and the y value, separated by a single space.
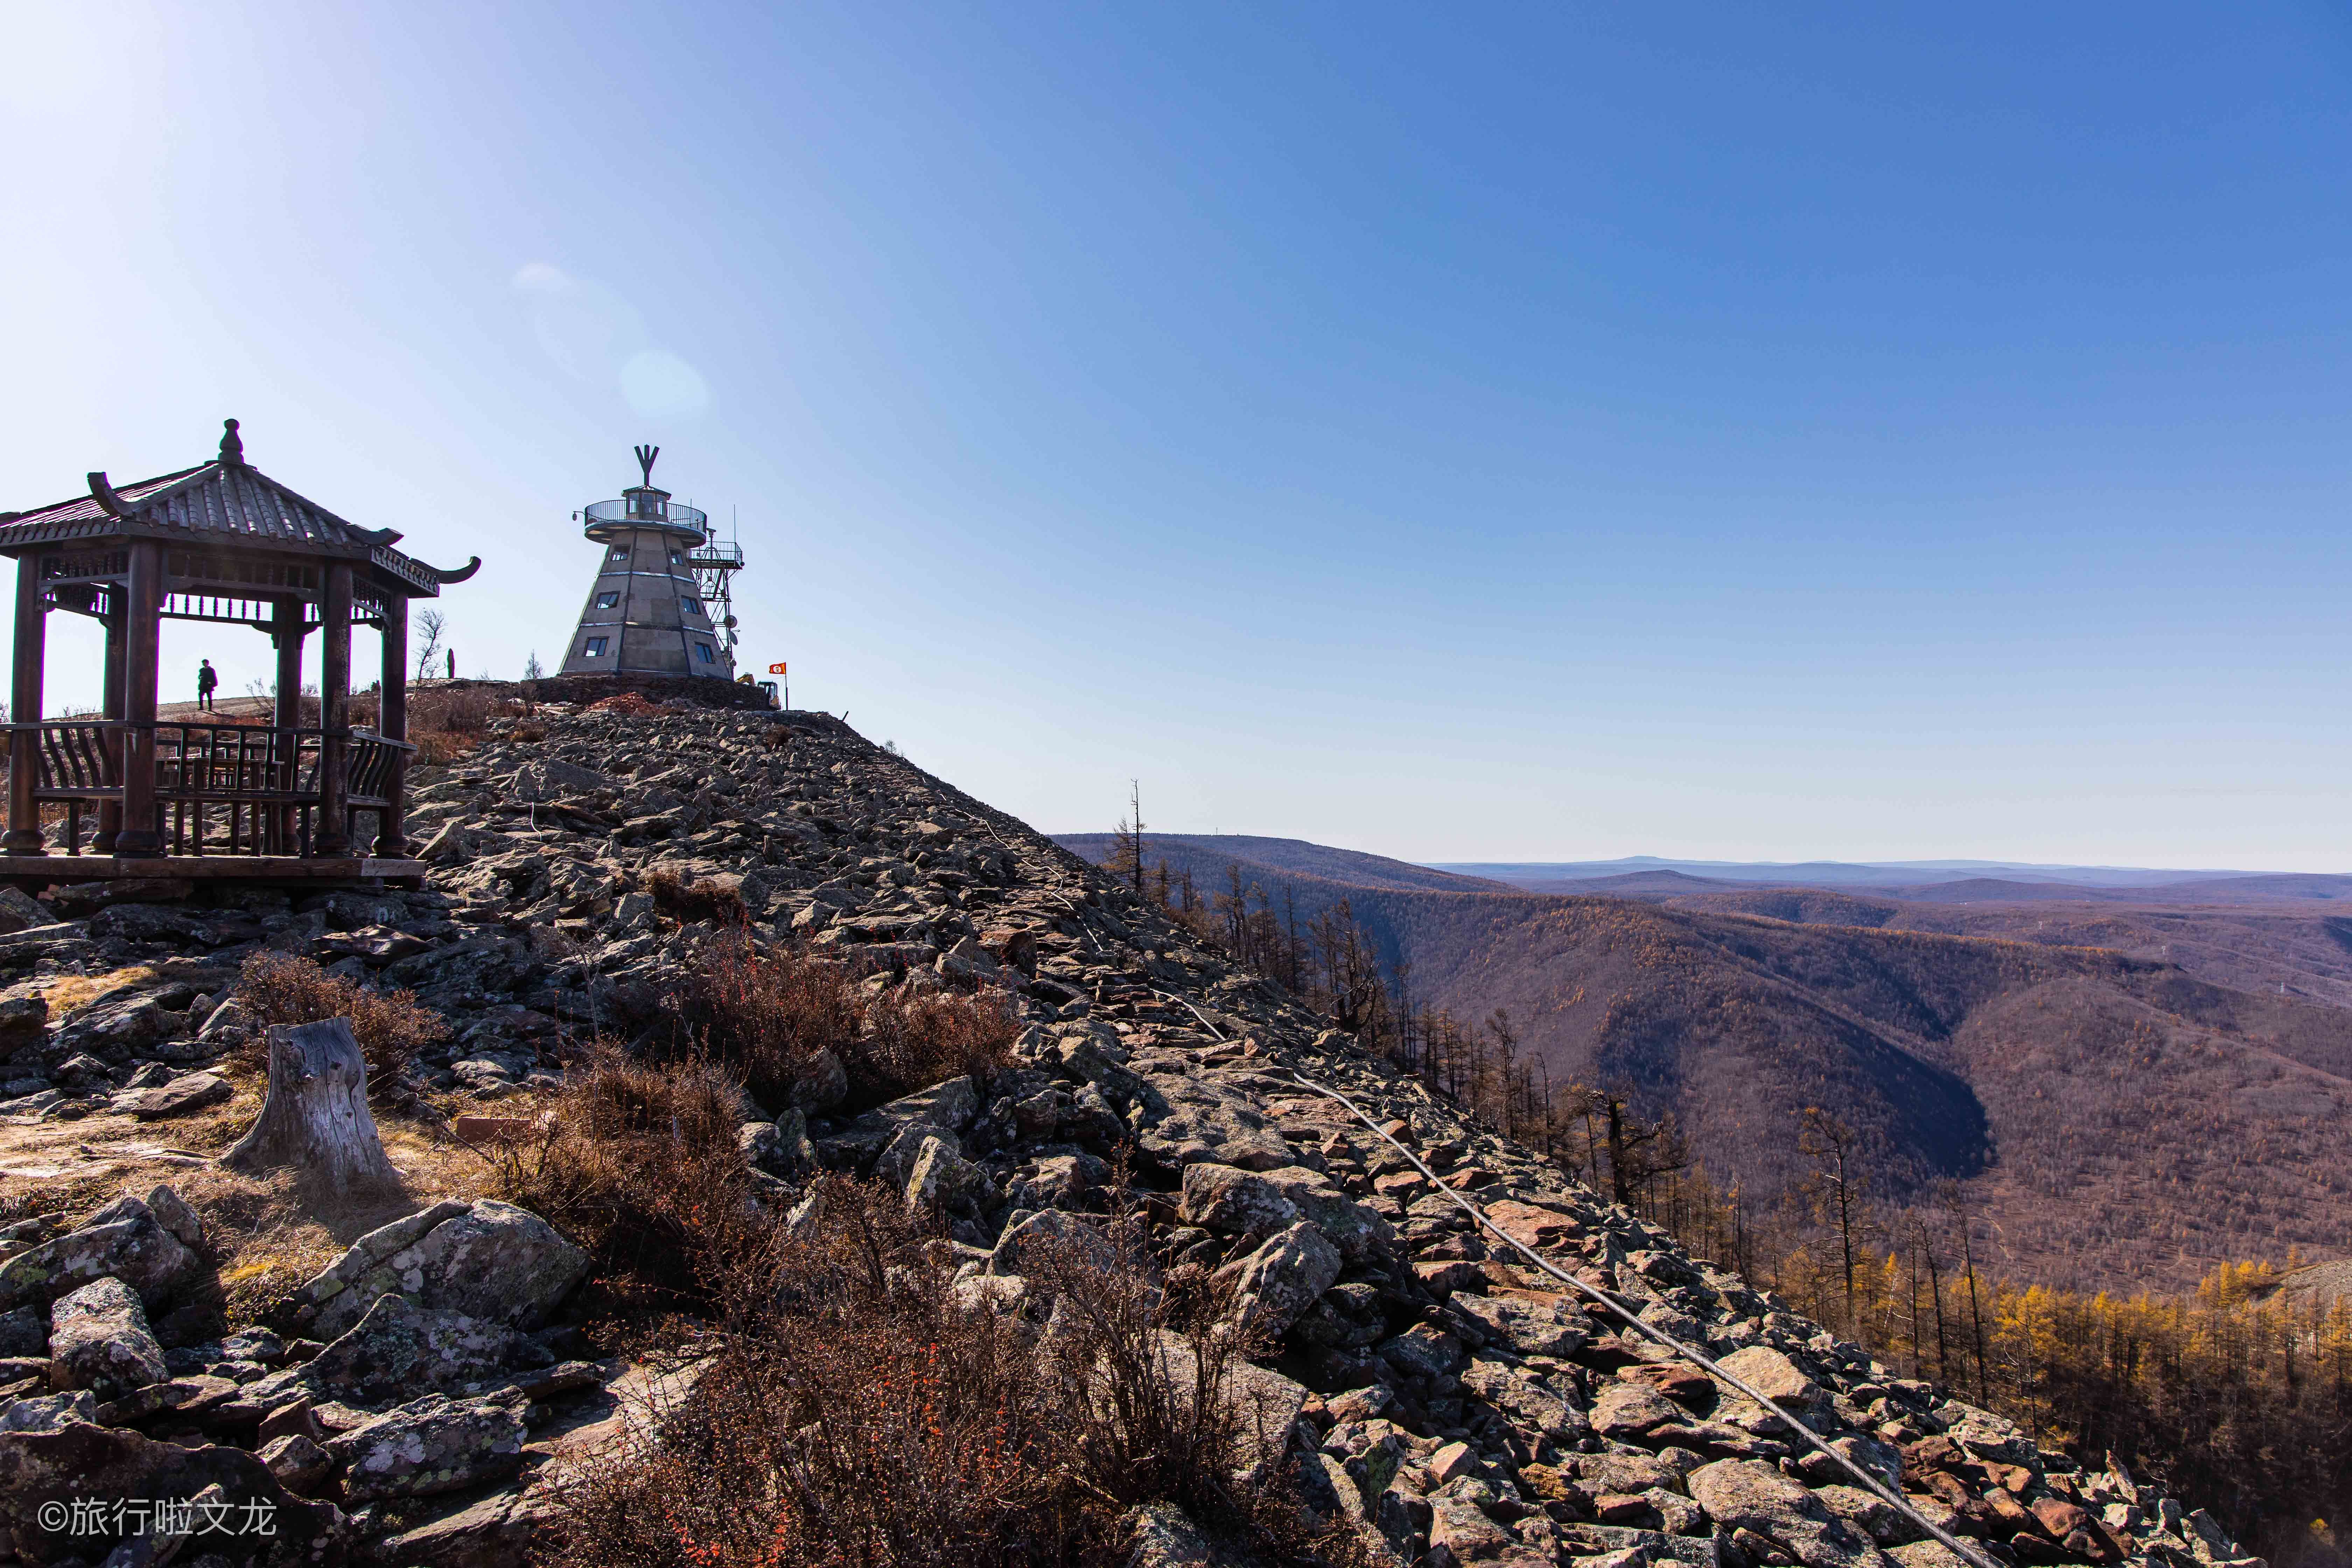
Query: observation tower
pixel 661 603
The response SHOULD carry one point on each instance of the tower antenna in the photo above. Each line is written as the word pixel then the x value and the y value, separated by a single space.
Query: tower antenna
pixel 646 456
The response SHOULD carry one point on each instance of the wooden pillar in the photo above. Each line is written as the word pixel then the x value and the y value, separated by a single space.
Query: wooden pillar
pixel 25 707
pixel 391 722
pixel 333 836
pixel 109 812
pixel 286 631
pixel 142 647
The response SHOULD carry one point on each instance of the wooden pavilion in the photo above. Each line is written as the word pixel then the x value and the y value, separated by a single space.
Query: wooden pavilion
pixel 276 802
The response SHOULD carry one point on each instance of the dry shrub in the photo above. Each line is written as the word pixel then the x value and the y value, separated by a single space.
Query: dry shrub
pixel 447 722
pixel 638 1164
pixel 916 1037
pixel 703 901
pixel 766 1014
pixel 858 1413
pixel 392 1027
pixel 626 703
pixel 854 1415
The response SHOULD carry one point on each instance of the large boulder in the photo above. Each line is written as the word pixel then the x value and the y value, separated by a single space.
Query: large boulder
pixel 81 1474
pixel 1772 1374
pixel 1234 1202
pixel 124 1239
pixel 1283 1278
pixel 47 1412
pixel 1523 1325
pixel 99 1340
pixel 1627 1410
pixel 1748 1494
pixel 189 1091
pixel 941 1181
pixel 488 1259
pixel 401 1348
pixel 1017 1250
pixel 432 1445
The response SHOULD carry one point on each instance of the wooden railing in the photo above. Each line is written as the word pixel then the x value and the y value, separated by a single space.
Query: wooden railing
pixel 232 789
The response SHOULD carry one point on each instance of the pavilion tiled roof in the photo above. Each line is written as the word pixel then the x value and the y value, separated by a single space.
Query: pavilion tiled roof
pixel 216 502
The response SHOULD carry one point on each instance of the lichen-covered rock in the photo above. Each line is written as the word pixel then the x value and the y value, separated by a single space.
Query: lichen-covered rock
pixel 340 1294
pixel 188 1092
pixel 1772 1374
pixel 402 1349
pixel 1524 1326
pixel 299 1463
pixel 1283 1278
pixel 1465 1534
pixel 24 1333
pixel 1233 1202
pixel 99 1340
pixel 1422 1351
pixel 1748 1494
pixel 431 1444
pixel 1631 1410
pixel 46 1412
pixel 172 1213
pixel 487 1259
pixel 124 1240
pixel 1016 1249
pixel 1160 1535
pixel 42 1474
pixel 941 1181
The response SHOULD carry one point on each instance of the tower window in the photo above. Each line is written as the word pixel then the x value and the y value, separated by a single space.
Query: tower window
pixel 704 649
pixel 595 649
pixel 606 600
pixel 620 553
pixel 689 604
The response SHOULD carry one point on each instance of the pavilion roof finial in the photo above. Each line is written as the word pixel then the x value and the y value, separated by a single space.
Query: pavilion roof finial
pixel 646 456
pixel 232 448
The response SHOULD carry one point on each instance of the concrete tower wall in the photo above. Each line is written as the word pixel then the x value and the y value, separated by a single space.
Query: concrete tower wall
pixel 647 613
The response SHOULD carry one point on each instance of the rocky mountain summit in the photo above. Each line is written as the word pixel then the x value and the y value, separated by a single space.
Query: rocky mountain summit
pixel 422 1399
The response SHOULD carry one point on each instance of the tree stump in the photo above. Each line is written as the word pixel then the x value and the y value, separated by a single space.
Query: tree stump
pixel 316 1117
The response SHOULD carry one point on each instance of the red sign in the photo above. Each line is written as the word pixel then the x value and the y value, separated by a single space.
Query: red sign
pixel 775 669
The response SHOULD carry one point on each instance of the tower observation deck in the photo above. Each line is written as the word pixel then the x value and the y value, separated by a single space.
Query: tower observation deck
pixel 662 603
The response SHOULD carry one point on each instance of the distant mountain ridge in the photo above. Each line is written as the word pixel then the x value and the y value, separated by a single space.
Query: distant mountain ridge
pixel 2130 1091
pixel 1996 878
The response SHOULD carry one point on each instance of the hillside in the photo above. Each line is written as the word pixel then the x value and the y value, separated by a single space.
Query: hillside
pixel 2118 1121
pixel 1027 1168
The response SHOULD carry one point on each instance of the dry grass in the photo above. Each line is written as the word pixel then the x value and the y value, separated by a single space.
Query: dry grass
pixel 639 1165
pixel 916 1037
pixel 67 991
pixel 626 703
pixel 392 1027
pixel 858 1413
pixel 267 1233
pixel 706 899
pixel 767 1014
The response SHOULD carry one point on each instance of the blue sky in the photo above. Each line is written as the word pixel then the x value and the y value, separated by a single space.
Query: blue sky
pixel 1462 433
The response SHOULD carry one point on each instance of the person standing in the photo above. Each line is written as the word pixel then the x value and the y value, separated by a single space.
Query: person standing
pixel 207 682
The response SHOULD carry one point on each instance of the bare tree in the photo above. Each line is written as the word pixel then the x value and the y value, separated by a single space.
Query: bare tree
pixel 430 625
pixel 1126 850
pixel 1836 1186
pixel 532 669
